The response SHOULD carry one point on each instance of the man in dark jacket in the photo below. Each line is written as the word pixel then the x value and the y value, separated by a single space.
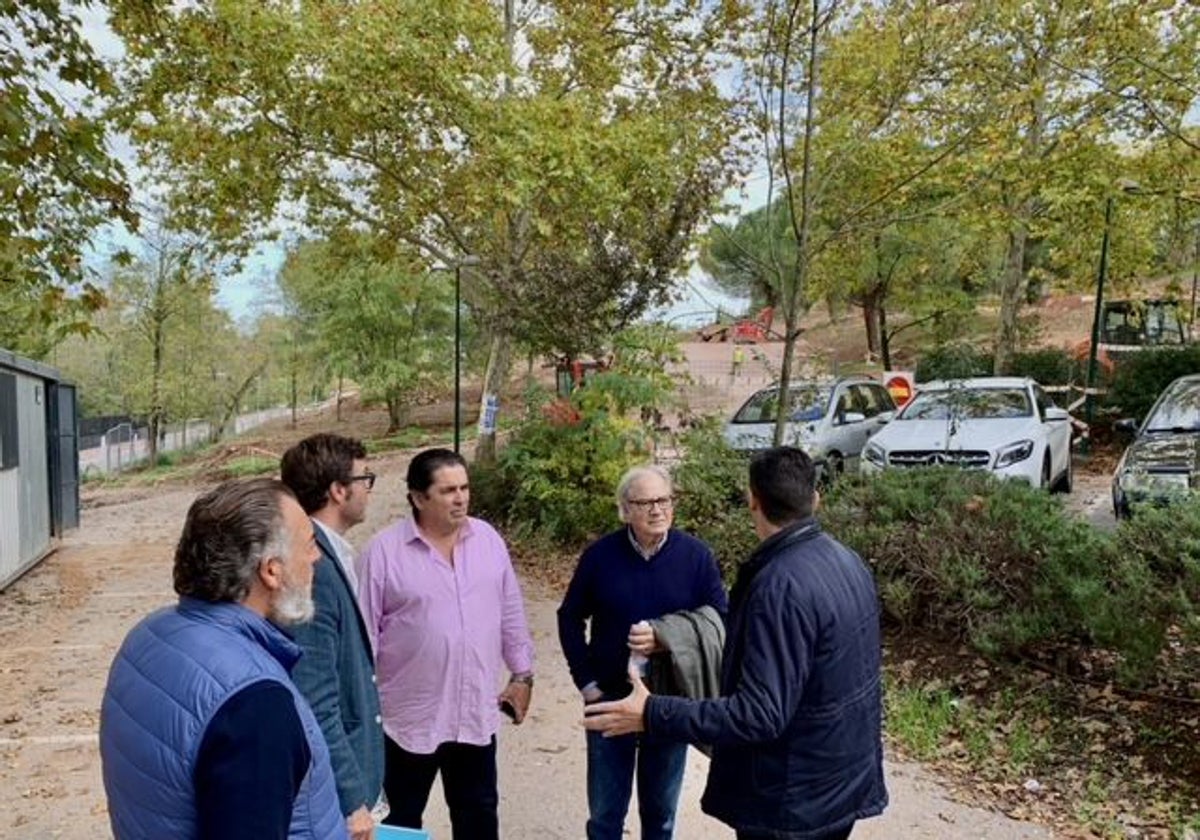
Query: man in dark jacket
pixel 329 475
pixel 796 733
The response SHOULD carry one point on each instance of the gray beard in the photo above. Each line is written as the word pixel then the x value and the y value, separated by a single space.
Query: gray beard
pixel 294 606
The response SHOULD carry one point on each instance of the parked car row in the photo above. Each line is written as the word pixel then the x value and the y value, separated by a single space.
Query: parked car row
pixel 1007 425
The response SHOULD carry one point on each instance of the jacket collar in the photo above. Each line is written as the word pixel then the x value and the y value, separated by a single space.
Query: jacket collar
pixel 795 532
pixel 245 622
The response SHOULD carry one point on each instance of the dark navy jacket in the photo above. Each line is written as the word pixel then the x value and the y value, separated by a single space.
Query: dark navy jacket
pixel 337 675
pixel 797 731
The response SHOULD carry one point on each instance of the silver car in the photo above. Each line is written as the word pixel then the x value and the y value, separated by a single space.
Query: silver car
pixel 830 420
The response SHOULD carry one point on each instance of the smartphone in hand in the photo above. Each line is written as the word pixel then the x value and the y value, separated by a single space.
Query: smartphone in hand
pixel 509 709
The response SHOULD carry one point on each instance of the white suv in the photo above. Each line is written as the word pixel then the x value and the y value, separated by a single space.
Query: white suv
pixel 829 420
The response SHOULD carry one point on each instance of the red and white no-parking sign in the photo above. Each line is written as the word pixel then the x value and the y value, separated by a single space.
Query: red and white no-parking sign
pixel 900 385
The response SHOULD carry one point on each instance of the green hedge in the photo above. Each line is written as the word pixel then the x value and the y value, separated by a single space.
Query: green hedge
pixel 1140 377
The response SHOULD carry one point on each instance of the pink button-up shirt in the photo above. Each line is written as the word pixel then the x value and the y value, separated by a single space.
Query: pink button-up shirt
pixel 442 633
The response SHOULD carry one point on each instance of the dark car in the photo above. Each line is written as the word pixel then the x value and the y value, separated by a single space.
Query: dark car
pixel 1163 462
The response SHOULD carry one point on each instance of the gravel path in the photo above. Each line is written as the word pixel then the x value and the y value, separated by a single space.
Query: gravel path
pixel 61 623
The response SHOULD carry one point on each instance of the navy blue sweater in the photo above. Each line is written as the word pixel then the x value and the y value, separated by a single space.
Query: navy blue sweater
pixel 615 587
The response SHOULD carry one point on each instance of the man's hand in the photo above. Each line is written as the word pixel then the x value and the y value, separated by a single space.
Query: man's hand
pixel 619 717
pixel 518 694
pixel 359 825
pixel 642 639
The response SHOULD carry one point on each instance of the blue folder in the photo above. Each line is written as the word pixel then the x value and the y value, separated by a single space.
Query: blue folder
pixel 389 832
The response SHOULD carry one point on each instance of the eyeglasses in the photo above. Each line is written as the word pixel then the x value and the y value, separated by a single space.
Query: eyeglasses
pixel 367 477
pixel 647 505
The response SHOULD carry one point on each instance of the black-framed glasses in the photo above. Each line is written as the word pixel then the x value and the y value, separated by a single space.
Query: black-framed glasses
pixel 647 505
pixel 368 478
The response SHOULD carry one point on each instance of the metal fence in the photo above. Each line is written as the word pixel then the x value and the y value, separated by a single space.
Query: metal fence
pixel 125 444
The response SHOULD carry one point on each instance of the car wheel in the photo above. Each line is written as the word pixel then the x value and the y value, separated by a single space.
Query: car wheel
pixel 1067 480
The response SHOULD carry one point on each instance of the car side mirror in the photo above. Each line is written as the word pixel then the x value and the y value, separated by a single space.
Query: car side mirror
pixel 1055 414
pixel 885 417
pixel 1126 426
pixel 852 417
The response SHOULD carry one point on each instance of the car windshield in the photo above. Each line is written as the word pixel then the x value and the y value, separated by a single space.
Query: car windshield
pixel 808 403
pixel 1178 411
pixel 969 404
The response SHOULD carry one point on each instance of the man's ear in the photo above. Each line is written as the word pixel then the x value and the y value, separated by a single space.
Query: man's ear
pixel 270 573
pixel 337 492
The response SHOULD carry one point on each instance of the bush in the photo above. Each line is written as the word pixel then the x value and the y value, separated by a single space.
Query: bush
pixel 1142 376
pixel 557 476
pixel 1049 366
pixel 953 361
pixel 963 554
pixel 711 484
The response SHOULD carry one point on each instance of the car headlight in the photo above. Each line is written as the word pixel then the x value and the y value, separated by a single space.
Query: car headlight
pixel 1014 453
pixel 1154 483
pixel 875 454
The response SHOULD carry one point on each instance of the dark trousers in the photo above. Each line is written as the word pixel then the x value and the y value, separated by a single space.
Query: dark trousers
pixel 468 782
pixel 612 764
pixel 840 834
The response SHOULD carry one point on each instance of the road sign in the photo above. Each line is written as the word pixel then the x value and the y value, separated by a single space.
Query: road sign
pixel 900 385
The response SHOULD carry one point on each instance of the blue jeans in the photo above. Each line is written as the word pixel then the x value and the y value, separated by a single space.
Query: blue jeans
pixel 611 763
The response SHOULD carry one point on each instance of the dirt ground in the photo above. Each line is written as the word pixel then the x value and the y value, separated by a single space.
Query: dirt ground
pixel 62 623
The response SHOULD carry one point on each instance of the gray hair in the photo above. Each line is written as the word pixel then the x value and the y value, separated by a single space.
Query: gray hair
pixel 229 531
pixel 633 474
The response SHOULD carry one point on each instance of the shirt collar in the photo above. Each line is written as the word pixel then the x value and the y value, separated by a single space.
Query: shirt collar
pixel 409 532
pixel 641 550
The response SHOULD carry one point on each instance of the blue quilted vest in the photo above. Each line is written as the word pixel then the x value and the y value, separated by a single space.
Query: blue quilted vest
pixel 171 675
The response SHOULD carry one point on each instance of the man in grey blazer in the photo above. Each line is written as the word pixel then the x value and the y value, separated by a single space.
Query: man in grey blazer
pixel 329 475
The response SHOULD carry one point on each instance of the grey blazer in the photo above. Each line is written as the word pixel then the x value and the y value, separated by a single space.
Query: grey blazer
pixel 337 676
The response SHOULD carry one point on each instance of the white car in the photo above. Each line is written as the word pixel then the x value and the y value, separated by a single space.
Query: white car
pixel 1007 425
pixel 829 420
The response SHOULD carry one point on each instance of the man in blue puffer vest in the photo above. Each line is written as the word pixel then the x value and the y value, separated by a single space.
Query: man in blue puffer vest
pixel 796 732
pixel 202 733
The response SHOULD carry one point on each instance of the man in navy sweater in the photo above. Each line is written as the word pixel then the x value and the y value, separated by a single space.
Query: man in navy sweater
pixel 797 749
pixel 642 571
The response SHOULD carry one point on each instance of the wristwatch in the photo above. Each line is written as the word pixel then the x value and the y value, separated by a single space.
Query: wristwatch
pixel 527 679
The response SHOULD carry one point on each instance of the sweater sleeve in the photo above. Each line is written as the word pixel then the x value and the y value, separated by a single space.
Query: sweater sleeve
pixel 712 588
pixel 573 613
pixel 250 766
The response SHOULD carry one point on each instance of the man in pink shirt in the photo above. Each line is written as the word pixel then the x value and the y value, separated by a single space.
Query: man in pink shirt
pixel 445 615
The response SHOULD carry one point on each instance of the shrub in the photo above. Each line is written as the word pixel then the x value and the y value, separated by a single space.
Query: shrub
pixel 557 476
pixel 710 482
pixel 953 361
pixel 966 555
pixel 1141 377
pixel 1049 366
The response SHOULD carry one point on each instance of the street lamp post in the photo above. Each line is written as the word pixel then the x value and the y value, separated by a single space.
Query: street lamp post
pixel 464 260
pixel 1090 386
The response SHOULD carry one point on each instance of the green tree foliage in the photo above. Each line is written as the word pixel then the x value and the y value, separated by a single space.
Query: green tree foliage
pixel 57 180
pixel 1052 89
pixel 563 143
pixel 377 317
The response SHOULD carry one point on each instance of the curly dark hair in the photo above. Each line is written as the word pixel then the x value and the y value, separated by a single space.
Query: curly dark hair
pixel 314 463
pixel 228 532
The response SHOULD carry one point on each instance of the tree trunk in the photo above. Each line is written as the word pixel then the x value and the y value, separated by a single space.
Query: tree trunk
pixel 1012 293
pixel 493 381
pixel 885 341
pixel 871 306
pixel 397 414
pixel 158 340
